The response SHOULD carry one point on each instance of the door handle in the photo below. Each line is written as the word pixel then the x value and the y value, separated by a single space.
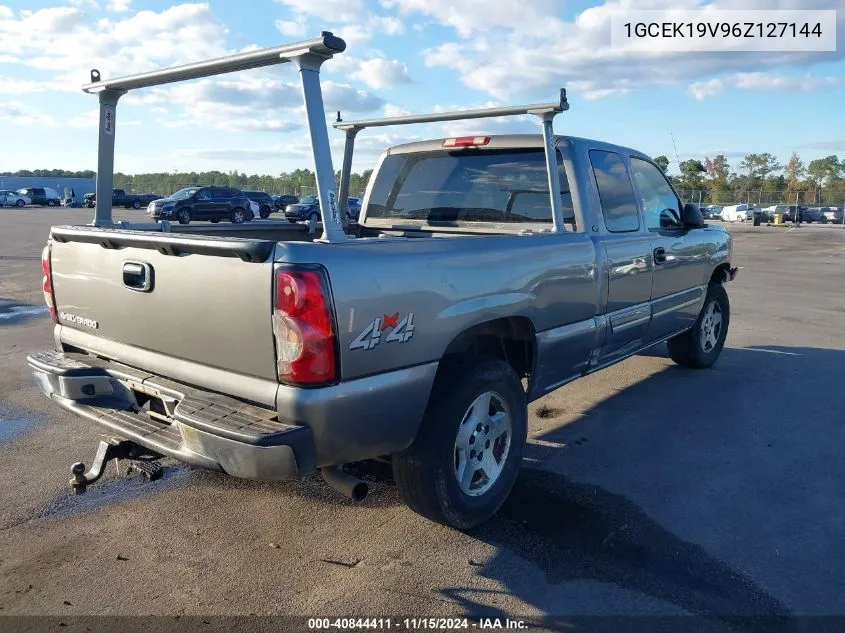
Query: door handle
pixel 137 276
pixel 659 255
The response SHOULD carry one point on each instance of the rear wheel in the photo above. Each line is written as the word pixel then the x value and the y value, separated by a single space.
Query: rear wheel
pixel 184 216
pixel 51 203
pixel 238 216
pixel 466 456
pixel 699 347
pixel 264 212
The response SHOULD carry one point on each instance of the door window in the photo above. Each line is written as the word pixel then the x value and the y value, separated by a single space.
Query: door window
pixel 618 205
pixel 204 194
pixel 660 204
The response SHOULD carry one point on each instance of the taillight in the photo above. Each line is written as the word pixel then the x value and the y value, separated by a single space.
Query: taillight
pixel 304 327
pixel 47 282
pixel 466 141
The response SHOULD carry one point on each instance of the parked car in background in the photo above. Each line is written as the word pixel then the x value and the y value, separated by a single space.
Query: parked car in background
pixel 13 199
pixel 353 208
pixel 306 209
pixel 265 203
pixel 711 211
pixel 203 203
pixel 43 196
pixel 119 198
pixel 737 213
pixel 832 214
pixel 789 212
pixel 813 214
pixel 283 200
pixel 146 198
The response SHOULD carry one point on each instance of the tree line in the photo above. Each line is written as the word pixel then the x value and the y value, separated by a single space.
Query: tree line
pixel 756 178
pixel 760 178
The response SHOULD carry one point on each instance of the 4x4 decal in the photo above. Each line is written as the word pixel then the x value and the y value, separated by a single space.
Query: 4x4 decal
pixel 402 331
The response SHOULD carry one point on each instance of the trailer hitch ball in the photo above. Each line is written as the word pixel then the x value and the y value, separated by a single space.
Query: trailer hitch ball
pixel 79 482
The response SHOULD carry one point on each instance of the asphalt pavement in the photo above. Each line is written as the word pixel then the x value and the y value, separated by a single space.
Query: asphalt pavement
pixel 647 489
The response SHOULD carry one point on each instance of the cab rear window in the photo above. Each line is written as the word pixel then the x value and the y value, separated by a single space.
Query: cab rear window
pixel 467 186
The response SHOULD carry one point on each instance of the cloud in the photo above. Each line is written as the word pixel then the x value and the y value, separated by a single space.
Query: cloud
pixel 508 49
pixel 345 98
pixel 118 6
pixel 15 86
pixel 704 89
pixel 234 154
pixel 391 109
pixel 381 73
pixel 762 81
pixel 339 10
pixel 292 28
pixel 19 113
pixel 835 145
pixel 67 42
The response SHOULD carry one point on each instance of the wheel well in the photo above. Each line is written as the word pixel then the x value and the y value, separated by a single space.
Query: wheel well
pixel 510 339
pixel 720 274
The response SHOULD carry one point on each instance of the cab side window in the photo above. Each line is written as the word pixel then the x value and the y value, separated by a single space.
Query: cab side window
pixel 618 205
pixel 660 204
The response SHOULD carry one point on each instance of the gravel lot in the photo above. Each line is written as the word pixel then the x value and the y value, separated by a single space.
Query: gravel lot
pixel 648 489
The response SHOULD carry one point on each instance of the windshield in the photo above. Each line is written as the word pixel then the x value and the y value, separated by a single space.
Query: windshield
pixel 501 186
pixel 309 200
pixel 182 194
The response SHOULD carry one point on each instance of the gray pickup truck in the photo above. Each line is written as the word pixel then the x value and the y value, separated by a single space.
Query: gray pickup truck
pixel 467 292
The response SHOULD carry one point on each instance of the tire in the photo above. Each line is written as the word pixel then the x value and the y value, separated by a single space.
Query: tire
pixel 315 217
pixel 184 216
pixel 264 212
pixel 238 215
pixel 426 473
pixel 136 204
pixel 51 203
pixel 20 203
pixel 696 349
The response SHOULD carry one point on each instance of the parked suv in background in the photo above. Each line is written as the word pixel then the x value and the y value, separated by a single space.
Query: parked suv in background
pixel 306 209
pixel 202 203
pixel 266 205
pixel 283 200
pixel 12 199
pixel 43 196
pixel 789 213
pixel 830 214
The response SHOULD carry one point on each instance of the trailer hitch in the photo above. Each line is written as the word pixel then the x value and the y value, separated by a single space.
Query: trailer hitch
pixel 115 448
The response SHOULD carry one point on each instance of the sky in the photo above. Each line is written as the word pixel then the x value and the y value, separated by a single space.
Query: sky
pixel 402 56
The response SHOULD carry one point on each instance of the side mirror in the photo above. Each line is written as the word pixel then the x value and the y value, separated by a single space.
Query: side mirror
pixel 691 216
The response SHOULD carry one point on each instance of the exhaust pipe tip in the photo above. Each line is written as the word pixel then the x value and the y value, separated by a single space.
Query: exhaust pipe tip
pixel 344 483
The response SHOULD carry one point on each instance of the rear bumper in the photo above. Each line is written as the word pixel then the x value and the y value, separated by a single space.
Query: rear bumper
pixel 194 426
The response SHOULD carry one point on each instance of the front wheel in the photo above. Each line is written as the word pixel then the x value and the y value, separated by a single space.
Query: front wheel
pixel 238 216
pixel 184 216
pixel 51 203
pixel 20 203
pixel 466 456
pixel 136 204
pixel 699 347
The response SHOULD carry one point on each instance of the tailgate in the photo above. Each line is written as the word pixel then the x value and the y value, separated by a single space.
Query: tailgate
pixel 187 298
